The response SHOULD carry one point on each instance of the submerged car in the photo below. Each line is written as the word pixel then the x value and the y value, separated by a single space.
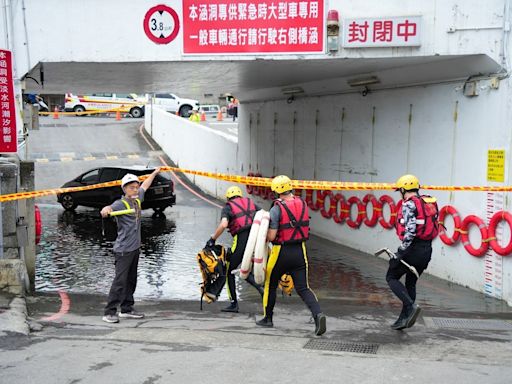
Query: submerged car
pixel 159 196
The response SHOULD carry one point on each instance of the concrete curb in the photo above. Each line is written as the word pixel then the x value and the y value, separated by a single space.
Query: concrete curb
pixel 14 319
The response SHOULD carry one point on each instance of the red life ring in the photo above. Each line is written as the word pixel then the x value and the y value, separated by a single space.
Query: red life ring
pixel 314 205
pixel 387 224
pixel 332 205
pixel 449 210
pixel 493 224
pixel 361 212
pixel 339 215
pixel 250 188
pixel 39 224
pixel 472 219
pixel 376 210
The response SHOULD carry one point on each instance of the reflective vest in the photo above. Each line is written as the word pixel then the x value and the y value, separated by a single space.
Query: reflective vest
pixel 243 210
pixel 294 222
pixel 427 212
pixel 137 212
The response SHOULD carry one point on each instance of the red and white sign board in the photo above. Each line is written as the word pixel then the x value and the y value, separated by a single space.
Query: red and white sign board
pixel 257 26
pixel 161 24
pixel 8 138
pixel 382 32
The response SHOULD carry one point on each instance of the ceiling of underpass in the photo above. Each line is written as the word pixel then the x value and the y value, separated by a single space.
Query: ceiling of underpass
pixel 250 79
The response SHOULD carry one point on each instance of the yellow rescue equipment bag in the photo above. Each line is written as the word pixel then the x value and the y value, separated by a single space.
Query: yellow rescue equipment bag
pixel 286 284
pixel 212 264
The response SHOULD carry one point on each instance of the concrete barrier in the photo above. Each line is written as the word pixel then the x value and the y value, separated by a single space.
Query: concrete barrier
pixel 195 146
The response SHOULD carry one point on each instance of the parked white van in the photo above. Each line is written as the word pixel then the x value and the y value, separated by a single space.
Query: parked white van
pixel 172 103
pixel 124 102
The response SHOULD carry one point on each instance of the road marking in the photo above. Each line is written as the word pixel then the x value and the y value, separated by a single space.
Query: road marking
pixel 42 160
pixel 111 157
pixel 66 159
pixel 133 156
pixel 89 158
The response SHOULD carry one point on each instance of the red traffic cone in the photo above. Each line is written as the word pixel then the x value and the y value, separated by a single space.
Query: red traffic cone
pixel 219 116
pixel 203 116
pixel 118 115
pixel 56 113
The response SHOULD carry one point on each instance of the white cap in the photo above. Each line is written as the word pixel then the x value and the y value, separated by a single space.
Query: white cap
pixel 128 178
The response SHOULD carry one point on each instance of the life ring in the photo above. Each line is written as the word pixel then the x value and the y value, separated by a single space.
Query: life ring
pixel 39 224
pixel 449 210
pixel 250 188
pixel 340 217
pixel 314 205
pixel 376 210
pixel 261 250
pixel 387 224
pixel 248 257
pixel 472 219
pixel 257 190
pixel 332 205
pixel 361 212
pixel 493 224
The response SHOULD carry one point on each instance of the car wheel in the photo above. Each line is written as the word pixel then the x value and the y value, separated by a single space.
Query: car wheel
pixel 79 109
pixel 136 112
pixel 68 203
pixel 185 111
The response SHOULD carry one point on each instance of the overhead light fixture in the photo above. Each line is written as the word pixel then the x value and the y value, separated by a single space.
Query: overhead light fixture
pixel 292 90
pixel 363 81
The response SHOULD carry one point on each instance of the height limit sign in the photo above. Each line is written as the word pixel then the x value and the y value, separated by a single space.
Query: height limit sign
pixel 161 24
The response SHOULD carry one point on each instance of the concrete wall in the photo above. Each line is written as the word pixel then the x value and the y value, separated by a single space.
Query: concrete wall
pixel 194 146
pixel 99 31
pixel 434 132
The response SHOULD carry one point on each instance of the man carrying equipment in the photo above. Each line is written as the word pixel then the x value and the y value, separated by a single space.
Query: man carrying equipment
pixel 416 227
pixel 289 231
pixel 237 216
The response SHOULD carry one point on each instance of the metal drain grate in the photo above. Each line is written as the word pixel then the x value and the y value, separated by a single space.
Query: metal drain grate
pixel 340 346
pixel 483 324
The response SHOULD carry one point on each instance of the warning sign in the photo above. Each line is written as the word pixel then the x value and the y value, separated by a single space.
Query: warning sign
pixel 496 165
pixel 161 24
pixel 8 138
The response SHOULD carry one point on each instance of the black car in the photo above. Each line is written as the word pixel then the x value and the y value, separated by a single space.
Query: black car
pixel 159 196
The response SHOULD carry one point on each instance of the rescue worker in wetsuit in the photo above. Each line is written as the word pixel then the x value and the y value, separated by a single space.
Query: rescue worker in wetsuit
pixel 416 228
pixel 237 216
pixel 288 232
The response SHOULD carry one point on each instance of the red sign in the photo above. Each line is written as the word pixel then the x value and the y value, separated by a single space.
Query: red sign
pixel 8 138
pixel 161 24
pixel 257 26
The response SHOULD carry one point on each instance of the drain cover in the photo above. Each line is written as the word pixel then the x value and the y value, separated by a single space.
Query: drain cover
pixel 483 324
pixel 340 346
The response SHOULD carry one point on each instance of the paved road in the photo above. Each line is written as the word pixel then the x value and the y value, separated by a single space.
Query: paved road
pixel 462 336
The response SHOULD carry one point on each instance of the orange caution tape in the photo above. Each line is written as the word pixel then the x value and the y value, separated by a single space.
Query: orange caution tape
pixel 259 182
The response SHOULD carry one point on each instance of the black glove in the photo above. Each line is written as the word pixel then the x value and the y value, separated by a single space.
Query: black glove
pixel 210 243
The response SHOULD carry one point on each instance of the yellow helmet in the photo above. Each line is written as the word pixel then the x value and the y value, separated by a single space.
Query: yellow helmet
pixel 233 191
pixel 408 182
pixel 281 184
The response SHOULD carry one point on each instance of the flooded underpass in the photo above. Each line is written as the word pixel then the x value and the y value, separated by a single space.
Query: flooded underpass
pixel 75 253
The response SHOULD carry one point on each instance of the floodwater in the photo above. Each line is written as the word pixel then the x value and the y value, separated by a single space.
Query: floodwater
pixel 75 254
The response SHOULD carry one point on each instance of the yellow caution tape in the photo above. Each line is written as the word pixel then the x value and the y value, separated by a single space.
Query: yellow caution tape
pixel 89 111
pixel 257 182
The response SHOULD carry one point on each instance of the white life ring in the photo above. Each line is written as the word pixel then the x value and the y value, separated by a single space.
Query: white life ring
pixel 246 266
pixel 261 250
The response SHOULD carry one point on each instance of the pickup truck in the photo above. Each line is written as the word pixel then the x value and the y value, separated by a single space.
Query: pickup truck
pixel 172 103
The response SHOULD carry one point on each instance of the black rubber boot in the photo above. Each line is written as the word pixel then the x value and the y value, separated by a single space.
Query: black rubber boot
pixel 320 324
pixel 400 318
pixel 265 322
pixel 261 290
pixel 400 324
pixel 233 307
pixel 412 315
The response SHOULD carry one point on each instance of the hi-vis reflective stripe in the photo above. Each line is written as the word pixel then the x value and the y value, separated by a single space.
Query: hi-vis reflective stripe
pixel 259 182
pixel 418 221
